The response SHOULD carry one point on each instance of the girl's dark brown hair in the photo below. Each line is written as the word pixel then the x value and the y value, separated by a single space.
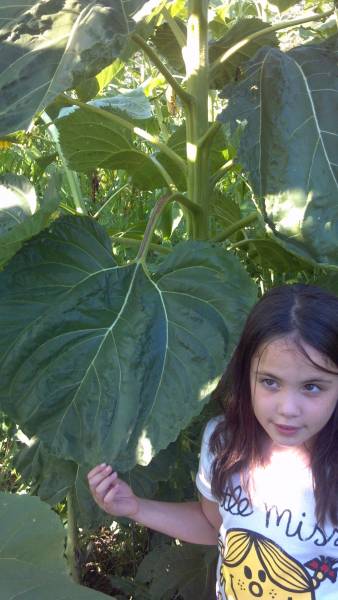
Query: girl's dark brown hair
pixel 310 315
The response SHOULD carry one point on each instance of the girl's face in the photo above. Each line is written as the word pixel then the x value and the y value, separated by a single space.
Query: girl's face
pixel 292 399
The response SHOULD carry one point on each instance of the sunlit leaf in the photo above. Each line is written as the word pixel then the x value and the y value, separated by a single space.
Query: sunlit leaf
pixel 288 104
pixel 49 47
pixel 21 216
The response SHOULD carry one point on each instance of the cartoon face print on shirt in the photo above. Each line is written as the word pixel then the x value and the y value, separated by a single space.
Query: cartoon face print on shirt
pixel 253 566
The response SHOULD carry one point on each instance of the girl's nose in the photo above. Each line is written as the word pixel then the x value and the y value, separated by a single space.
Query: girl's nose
pixel 288 405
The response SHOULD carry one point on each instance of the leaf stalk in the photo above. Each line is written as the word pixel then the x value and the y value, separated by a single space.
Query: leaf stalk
pixel 177 32
pixel 248 220
pixel 126 241
pixel 186 98
pixel 155 215
pixel 208 137
pixel 253 36
pixel 221 171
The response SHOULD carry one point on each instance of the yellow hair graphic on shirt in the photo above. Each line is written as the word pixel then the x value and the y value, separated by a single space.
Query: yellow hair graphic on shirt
pixel 253 566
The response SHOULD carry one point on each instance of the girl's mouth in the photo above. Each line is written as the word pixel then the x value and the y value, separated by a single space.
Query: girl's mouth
pixel 286 429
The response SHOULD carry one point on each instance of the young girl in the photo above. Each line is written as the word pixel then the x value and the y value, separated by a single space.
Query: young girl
pixel 268 473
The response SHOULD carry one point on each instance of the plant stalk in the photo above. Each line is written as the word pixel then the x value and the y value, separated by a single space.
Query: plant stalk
pixel 196 63
pixel 72 538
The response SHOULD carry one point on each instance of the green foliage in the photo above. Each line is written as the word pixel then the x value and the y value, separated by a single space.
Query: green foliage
pixel 31 555
pixel 31 532
pixel 79 348
pixel 21 217
pixel 289 143
pixel 57 52
pixel 187 570
pixel 231 68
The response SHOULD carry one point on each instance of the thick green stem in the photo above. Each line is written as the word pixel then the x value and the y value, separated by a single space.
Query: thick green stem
pixel 253 36
pixel 72 538
pixel 196 62
pixel 145 135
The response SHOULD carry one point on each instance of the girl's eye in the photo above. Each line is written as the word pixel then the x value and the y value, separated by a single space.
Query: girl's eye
pixel 312 387
pixel 269 383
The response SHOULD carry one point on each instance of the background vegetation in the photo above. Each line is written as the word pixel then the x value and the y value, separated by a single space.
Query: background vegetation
pixel 162 164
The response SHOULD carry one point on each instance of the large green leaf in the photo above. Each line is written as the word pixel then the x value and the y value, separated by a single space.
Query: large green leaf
pixel 290 143
pixel 90 140
pixel 21 217
pixel 273 254
pixel 108 363
pixel 28 582
pixel 32 566
pixel 31 531
pixel 231 68
pixel 49 47
pixel 188 570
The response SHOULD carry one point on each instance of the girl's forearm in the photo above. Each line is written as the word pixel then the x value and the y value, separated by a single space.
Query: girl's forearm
pixel 185 520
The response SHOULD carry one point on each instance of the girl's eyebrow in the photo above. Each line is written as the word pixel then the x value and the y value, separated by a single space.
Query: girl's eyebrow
pixel 315 378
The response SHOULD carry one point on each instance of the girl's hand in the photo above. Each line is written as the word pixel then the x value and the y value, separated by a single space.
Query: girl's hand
pixel 112 494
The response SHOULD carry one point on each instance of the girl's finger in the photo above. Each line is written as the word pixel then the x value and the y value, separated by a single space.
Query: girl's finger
pixel 94 480
pixel 110 495
pixel 106 484
pixel 96 470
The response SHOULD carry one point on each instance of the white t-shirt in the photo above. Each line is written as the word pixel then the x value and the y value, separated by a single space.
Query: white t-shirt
pixel 274 549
